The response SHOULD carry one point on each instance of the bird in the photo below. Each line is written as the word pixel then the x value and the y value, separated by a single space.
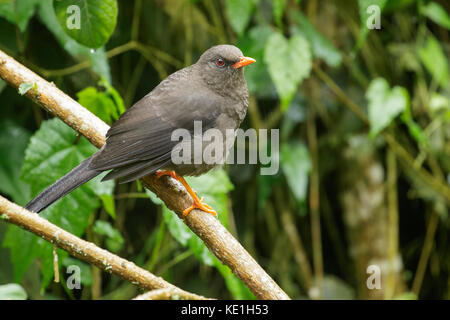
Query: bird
pixel 213 90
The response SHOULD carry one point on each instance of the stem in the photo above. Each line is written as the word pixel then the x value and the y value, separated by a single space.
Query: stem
pixel 392 223
pixel 314 195
pixel 425 254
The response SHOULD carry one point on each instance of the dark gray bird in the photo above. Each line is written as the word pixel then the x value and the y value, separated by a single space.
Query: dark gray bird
pixel 213 91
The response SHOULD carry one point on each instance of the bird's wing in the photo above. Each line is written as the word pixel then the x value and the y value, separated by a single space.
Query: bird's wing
pixel 140 140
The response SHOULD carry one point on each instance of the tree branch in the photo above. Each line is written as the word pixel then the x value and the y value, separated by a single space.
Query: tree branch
pixel 85 250
pixel 159 294
pixel 221 243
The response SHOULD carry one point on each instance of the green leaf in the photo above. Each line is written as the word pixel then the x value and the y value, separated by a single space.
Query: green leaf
pixel 384 104
pixel 101 103
pixel 12 291
pixel 18 12
pixel 114 240
pixel 153 197
pixel 13 142
pixel 24 249
pixel 239 13
pixel 114 95
pixel 237 288
pixel 436 13
pixel 177 228
pixel 296 165
pixel 97 58
pixel 109 205
pixel 415 130
pixel 53 151
pixel 289 62
pixel 321 47
pixel 435 60
pixel 97 20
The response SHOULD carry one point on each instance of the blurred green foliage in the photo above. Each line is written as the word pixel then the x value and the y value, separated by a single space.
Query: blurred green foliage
pixel 316 61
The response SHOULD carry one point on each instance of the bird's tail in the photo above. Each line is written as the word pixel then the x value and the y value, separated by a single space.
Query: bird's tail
pixel 72 180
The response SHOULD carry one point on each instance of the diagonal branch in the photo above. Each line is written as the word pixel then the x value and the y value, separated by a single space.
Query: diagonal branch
pixel 158 294
pixel 221 243
pixel 85 250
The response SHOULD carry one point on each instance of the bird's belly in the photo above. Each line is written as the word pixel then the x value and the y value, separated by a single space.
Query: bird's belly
pixel 206 151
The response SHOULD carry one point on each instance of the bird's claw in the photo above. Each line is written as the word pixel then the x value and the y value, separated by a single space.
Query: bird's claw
pixel 171 173
pixel 198 204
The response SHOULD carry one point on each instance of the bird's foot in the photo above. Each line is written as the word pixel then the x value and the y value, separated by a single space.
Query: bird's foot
pixel 198 204
pixel 171 173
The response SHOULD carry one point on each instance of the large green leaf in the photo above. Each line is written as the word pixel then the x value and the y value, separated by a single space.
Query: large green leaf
pixel 53 151
pixel 13 142
pixel 435 12
pixel 289 62
pixel 239 13
pixel 384 104
pixel 18 12
pixel 97 20
pixel 321 47
pixel 98 59
pixel 435 60
pixel 296 165
pixel 101 103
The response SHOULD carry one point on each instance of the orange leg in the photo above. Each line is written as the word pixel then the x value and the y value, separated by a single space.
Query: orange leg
pixel 198 203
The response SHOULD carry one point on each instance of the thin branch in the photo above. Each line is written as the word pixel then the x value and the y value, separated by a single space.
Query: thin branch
pixel 84 250
pixel 160 294
pixel 425 253
pixel 221 243
pixel 144 50
pixel 314 195
pixel 393 223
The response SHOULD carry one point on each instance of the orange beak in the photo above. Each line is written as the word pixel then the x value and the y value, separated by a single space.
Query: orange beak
pixel 245 61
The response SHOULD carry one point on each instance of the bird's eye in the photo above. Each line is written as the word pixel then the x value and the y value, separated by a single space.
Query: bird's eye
pixel 220 62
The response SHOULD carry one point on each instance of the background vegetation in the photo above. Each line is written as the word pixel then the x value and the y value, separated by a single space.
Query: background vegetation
pixel 364 158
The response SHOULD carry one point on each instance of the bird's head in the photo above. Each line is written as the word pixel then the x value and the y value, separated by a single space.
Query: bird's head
pixel 222 67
